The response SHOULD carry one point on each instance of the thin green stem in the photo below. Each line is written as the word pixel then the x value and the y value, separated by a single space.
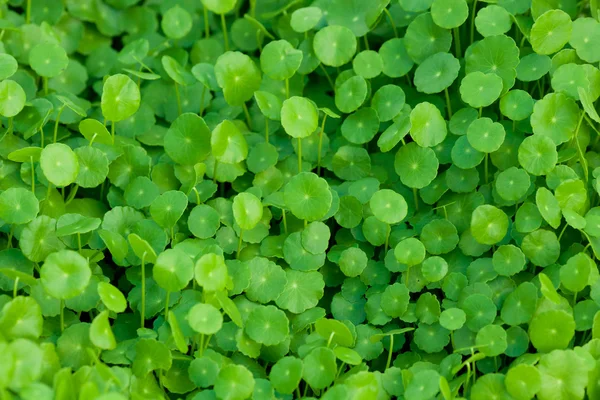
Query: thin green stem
pixel 112 131
pixel 387 240
pixel 328 77
pixel 239 246
pixel 72 194
pixel 62 315
pixel 267 130
pixel 79 241
pixel 287 88
pixel 60 110
pixel 457 47
pixel 10 236
pixel 331 335
pixel 299 155
pixel 202 101
pixel 224 28
pixel 366 42
pixel 480 111
pixel 32 175
pixel 320 144
pixel 259 37
pixel 15 287
pixel 45 82
pixel 201 344
pixel 206 24
pixel 167 300
pixel 582 159
pixel 207 342
pixel 197 195
pixel 340 369
pixel 28 12
pixel 284 219
pixel 41 136
pixel 215 171
pixel 485 167
pixel 178 96
pixel 416 199
pixel 143 305
pixel 448 105
pixel 387 13
pixel 562 231
pixel 473 12
pixel 389 358
pixel 48 191
pixel 247 114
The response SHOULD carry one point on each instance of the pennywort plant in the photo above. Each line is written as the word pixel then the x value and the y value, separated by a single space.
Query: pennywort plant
pixel 336 199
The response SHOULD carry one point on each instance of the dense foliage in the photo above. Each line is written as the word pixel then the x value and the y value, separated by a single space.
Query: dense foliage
pixel 337 199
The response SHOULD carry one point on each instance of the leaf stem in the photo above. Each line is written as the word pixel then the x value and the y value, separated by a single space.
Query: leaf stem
pixel 582 159
pixel 387 241
pixel 72 194
pixel 79 241
pixel 224 28
pixel 416 198
pixel 143 305
pixel 45 81
pixel 112 131
pixel 389 358
pixel 284 219
pixel 60 110
pixel 206 24
pixel 327 76
pixel 562 231
pixel 299 155
pixel 178 96
pixel 267 130
pixel 202 101
pixel 28 12
pixel 240 241
pixel 62 315
pixel 448 105
pixel 10 236
pixel 473 21
pixel 287 88
pixel 32 175
pixel 485 167
pixel 15 287
pixel 167 299
pixel 387 13
pixel 247 114
pixel 457 47
pixel 321 144
pixel 215 171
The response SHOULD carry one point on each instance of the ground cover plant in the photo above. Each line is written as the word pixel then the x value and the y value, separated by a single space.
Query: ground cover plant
pixel 337 199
